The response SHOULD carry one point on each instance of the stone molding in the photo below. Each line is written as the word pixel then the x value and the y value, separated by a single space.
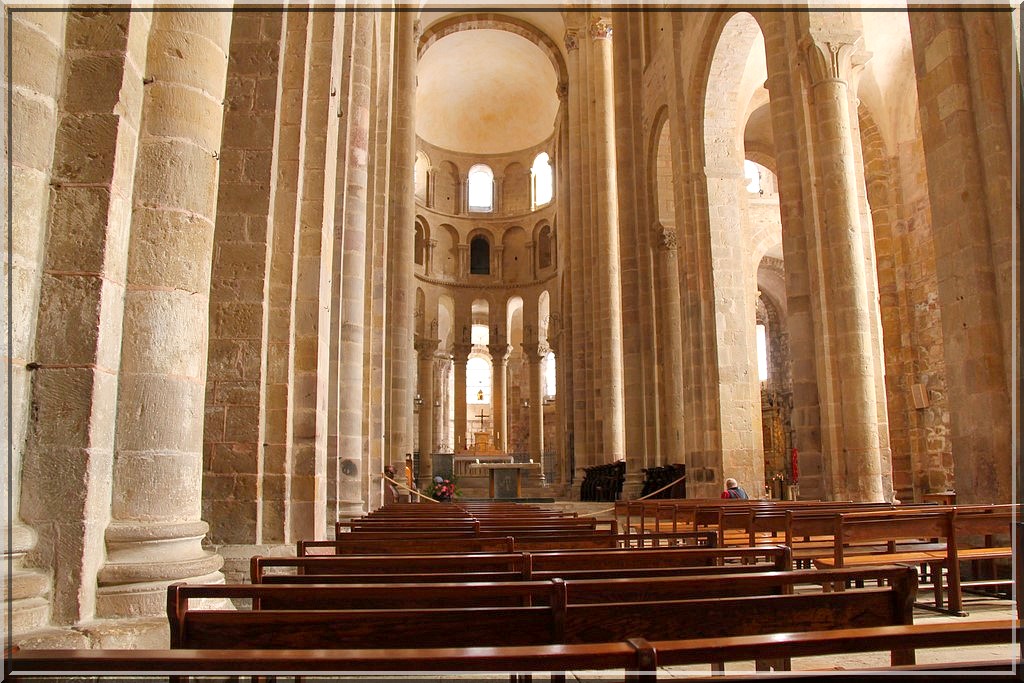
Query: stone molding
pixel 483 285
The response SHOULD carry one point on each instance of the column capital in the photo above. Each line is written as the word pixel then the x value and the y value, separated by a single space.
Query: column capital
pixel 460 352
pixel 425 348
pixel 572 40
pixel 841 58
pixel 535 352
pixel 668 238
pixel 601 28
pixel 499 352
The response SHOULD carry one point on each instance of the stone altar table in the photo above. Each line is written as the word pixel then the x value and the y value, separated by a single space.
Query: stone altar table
pixel 506 478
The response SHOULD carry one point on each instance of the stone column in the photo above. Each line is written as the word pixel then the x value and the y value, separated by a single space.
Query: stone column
pixel 428 261
pixel 155 534
pixel 37 62
pixel 670 333
pixel 353 213
pixel 463 264
pixel 964 128
pixel 857 465
pixel 400 258
pixel 534 355
pixel 460 356
pixel 605 197
pixel 531 253
pixel 425 349
pixel 499 367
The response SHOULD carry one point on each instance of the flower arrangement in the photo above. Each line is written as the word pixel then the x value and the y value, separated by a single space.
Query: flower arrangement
pixel 442 489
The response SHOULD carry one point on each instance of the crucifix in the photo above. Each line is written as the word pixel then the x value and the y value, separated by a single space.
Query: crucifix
pixel 481 417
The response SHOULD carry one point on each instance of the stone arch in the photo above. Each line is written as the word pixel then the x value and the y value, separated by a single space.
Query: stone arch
pixel 447 187
pixel 446 254
pixel 420 240
pixel 421 173
pixel 731 76
pixel 515 188
pixel 480 253
pixel 544 239
pixel 515 260
pixel 661 175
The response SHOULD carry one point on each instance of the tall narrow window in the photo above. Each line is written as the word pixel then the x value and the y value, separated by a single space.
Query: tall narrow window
pixel 481 188
pixel 544 247
pixel 479 256
pixel 752 174
pixel 762 354
pixel 549 375
pixel 542 180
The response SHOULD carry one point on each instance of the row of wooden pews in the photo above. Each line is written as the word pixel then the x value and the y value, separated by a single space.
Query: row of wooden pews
pixel 477 599
pixel 936 538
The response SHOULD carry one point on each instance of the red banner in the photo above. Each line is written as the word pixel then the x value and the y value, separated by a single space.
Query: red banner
pixel 794 466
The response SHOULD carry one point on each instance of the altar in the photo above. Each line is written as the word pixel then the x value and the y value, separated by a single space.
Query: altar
pixel 505 479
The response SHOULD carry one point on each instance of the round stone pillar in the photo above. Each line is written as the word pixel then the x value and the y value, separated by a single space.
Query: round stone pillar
pixel 499 365
pixel 155 534
pixel 857 456
pixel 460 356
pixel 534 355
pixel 605 197
pixel 425 349
pixel 670 333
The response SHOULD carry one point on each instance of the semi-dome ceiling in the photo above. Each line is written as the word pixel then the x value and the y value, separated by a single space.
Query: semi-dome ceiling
pixel 485 91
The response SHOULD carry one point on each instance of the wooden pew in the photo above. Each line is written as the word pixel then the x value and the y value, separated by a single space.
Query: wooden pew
pixel 514 566
pixel 921 536
pixel 557 622
pixel 639 658
pixel 425 542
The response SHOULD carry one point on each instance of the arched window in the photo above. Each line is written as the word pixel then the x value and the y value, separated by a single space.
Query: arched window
pixel 420 176
pixel 478 380
pixel 419 246
pixel 479 256
pixel 752 174
pixel 549 375
pixel 544 247
pixel 481 188
pixel 542 180
pixel 762 354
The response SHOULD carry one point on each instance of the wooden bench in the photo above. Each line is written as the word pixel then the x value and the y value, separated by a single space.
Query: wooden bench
pixel 514 566
pixel 639 658
pixel 419 543
pixel 555 623
pixel 929 537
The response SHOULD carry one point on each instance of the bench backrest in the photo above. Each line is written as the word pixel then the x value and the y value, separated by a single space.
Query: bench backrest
pixel 557 622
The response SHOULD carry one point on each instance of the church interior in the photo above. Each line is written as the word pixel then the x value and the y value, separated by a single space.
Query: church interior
pixel 257 255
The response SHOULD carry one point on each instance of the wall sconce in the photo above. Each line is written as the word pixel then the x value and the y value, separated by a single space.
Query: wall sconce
pixel 526 403
pixel 437 403
pixel 418 401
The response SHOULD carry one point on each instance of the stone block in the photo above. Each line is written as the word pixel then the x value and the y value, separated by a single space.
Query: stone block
pixel 93 84
pixel 177 174
pixel 237 320
pixel 35 57
pixel 182 113
pixel 170 249
pixel 78 229
pixel 34 120
pixel 86 148
pixel 242 423
pixel 159 412
pixel 165 333
pixel 69 320
pixel 156 484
